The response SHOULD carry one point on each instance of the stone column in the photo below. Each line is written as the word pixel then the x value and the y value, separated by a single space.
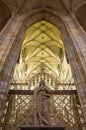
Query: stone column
pixel 76 52
pixel 78 36
pixel 9 52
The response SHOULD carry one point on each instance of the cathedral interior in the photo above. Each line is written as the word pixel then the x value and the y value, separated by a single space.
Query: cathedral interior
pixel 43 40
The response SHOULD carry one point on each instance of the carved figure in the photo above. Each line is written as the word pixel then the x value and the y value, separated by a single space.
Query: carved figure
pixel 42 101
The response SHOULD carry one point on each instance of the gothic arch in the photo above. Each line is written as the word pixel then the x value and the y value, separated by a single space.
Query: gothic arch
pixel 53 18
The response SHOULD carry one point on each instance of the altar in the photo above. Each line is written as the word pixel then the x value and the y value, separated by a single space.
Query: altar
pixel 42 128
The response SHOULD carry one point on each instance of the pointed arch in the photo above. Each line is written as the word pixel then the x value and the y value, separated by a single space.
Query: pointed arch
pixel 26 21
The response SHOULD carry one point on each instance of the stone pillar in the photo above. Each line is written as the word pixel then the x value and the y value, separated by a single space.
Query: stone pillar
pixel 9 52
pixel 76 52
pixel 78 36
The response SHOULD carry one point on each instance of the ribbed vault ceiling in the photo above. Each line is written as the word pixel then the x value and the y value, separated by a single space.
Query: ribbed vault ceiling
pixel 42 47
pixel 42 56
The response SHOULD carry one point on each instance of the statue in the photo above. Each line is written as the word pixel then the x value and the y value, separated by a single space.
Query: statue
pixel 42 100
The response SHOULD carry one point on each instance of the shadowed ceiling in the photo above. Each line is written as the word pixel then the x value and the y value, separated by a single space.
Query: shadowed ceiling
pixel 81 16
pixel 4 14
pixel 62 7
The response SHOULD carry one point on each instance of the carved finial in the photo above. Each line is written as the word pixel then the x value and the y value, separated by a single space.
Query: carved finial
pixel 42 82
